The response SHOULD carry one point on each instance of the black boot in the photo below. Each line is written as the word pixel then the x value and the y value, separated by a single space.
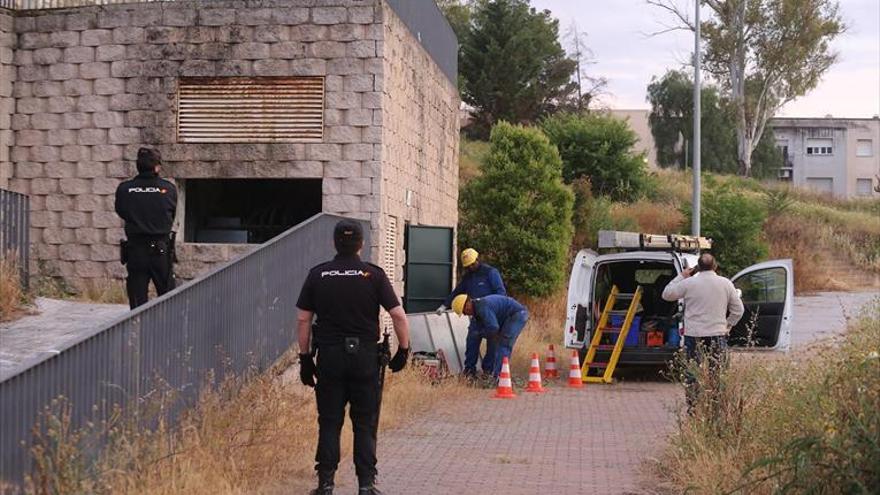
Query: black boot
pixel 325 484
pixel 368 487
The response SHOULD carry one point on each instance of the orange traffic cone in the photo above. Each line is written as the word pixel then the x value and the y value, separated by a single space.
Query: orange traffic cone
pixel 535 376
pixel 550 370
pixel 574 373
pixel 505 386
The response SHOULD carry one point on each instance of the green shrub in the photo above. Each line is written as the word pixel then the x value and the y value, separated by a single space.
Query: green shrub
pixel 599 147
pixel 734 222
pixel 518 211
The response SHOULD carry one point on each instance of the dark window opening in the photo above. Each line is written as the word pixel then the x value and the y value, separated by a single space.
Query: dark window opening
pixel 247 211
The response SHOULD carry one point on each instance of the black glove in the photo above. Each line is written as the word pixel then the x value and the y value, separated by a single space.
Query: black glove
pixel 307 370
pixel 398 362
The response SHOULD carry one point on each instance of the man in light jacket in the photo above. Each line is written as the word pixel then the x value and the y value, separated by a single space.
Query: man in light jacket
pixel 712 307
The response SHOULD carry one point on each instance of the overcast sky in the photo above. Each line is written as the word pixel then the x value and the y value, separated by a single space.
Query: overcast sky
pixel 624 54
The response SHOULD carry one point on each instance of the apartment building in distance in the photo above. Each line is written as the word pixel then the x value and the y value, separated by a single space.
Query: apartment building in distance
pixel 833 155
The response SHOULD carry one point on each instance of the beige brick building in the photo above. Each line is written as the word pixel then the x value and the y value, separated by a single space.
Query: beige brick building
pixel 349 107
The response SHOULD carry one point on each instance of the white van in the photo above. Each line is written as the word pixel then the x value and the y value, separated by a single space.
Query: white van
pixel 767 292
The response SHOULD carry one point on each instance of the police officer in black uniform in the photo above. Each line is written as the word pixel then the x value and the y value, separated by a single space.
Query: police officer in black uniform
pixel 345 294
pixel 148 204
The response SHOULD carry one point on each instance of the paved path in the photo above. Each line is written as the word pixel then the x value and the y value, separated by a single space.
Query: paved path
pixel 55 322
pixel 594 440
pixel 825 314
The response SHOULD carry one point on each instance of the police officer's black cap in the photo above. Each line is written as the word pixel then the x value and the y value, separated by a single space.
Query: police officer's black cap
pixel 147 159
pixel 348 231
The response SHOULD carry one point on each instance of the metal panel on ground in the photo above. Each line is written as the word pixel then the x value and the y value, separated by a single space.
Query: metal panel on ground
pixel 430 332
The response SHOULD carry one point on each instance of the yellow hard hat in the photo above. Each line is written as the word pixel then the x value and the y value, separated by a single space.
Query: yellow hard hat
pixel 458 304
pixel 469 257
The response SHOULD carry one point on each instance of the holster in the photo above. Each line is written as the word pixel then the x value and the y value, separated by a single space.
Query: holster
pixel 172 246
pixel 123 251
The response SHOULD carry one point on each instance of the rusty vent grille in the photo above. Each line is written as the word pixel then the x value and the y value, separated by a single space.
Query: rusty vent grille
pixel 250 110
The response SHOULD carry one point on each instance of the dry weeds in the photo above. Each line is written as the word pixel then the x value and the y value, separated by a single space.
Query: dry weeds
pixel 13 299
pixel 805 423
pixel 248 436
pixel 655 218
pixel 105 291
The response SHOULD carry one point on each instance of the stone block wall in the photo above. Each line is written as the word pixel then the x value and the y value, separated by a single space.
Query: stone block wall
pixel 7 104
pixel 420 133
pixel 96 83
pixel 90 85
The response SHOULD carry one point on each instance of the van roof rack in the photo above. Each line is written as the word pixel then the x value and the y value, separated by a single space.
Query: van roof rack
pixel 635 241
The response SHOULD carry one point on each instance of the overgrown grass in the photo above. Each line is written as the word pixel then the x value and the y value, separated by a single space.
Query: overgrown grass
pixel 805 423
pixel 546 318
pixel 250 435
pixel 13 298
pixel 471 155
pixel 92 290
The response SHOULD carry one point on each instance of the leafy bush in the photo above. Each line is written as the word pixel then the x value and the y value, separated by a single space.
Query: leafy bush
pixel 518 211
pixel 734 222
pixel 778 201
pixel 599 147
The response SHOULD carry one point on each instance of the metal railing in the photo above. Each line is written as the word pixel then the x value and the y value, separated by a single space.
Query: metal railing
pixel 240 315
pixel 15 230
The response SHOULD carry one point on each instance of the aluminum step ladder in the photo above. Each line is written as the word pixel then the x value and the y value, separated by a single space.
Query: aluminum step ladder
pixel 604 328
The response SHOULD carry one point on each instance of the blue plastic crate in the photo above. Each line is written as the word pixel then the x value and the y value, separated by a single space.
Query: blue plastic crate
pixel 632 337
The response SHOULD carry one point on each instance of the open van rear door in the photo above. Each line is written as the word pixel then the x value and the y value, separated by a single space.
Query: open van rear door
pixel 578 321
pixel 768 296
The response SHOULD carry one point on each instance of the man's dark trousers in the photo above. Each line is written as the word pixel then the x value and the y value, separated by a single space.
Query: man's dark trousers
pixel 713 351
pixel 147 260
pixel 348 377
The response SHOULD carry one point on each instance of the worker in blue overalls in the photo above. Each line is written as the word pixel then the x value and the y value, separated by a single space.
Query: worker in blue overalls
pixel 479 280
pixel 500 318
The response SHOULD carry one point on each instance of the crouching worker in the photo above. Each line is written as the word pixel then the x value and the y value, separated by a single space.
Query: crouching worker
pixel 345 294
pixel 479 280
pixel 501 319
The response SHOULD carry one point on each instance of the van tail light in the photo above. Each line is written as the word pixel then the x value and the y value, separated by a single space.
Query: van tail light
pixel 571 329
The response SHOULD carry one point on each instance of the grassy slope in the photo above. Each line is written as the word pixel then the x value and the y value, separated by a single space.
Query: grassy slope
pixel 811 229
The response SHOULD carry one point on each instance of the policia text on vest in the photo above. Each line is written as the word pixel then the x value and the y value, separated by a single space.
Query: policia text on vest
pixel 345 295
pixel 147 204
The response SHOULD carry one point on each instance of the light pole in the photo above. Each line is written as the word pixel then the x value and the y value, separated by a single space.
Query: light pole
pixel 695 220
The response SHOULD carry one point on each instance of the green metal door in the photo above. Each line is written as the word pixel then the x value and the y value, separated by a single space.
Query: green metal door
pixel 428 272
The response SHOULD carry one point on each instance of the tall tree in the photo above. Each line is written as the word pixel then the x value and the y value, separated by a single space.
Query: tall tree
pixel 765 53
pixel 671 121
pixel 588 86
pixel 458 14
pixel 513 65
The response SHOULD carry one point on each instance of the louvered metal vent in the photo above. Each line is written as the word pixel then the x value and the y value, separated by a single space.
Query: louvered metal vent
pixel 250 110
pixel 389 254
pixel 389 261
